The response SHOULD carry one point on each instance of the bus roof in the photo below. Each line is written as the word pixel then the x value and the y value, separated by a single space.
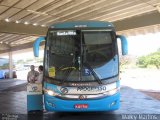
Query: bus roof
pixel 81 24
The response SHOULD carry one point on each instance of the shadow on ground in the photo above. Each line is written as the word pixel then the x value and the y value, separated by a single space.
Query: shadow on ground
pixel 73 116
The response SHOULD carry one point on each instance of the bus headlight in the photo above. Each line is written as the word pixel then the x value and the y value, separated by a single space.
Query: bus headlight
pixel 50 92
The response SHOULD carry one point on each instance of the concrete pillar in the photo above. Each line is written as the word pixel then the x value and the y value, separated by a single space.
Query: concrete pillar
pixel 10 65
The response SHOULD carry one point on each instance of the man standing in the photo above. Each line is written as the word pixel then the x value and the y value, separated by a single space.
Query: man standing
pixel 40 76
pixel 31 77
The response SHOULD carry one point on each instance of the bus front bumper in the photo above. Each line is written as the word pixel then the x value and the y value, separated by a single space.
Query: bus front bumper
pixel 108 103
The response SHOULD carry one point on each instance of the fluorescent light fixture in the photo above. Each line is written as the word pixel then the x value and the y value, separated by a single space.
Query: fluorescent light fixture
pixel 17 21
pixel 43 25
pixel 26 23
pixel 35 24
pixel 158 8
pixel 7 20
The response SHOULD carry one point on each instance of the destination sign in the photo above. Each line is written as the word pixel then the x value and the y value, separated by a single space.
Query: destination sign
pixel 62 33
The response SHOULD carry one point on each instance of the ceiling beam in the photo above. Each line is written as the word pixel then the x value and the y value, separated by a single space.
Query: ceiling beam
pixel 20 47
pixel 125 24
pixel 11 27
pixel 138 21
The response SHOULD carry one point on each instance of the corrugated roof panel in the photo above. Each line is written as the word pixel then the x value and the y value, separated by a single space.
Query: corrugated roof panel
pixel 9 2
pixel 52 11
pixel 66 13
pixel 20 15
pixel 3 8
pixel 40 3
pixel 24 3
pixel 130 10
pixel 38 18
pixel 128 14
pixel 9 13
pixel 91 12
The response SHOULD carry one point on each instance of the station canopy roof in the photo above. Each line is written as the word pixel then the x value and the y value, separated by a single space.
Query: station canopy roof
pixel 22 21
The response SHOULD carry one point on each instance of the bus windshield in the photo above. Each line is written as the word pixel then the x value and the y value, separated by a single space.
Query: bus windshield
pixel 72 55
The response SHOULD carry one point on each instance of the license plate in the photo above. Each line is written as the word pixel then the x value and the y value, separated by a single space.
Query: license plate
pixel 80 106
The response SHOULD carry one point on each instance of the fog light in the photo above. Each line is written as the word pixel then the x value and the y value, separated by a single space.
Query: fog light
pixel 50 92
pixel 113 103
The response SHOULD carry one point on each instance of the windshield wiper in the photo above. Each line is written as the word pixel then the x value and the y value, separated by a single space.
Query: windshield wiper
pixel 68 72
pixel 88 66
pixel 93 73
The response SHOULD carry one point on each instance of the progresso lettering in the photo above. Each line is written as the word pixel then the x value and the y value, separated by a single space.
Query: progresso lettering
pixel 91 88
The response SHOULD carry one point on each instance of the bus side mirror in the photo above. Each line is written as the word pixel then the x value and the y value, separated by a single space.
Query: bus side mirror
pixel 36 45
pixel 124 44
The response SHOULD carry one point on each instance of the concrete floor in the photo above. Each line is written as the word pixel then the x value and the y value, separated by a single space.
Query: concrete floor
pixel 13 101
pixel 10 83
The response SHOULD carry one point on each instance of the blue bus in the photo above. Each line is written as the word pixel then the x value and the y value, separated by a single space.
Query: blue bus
pixel 81 66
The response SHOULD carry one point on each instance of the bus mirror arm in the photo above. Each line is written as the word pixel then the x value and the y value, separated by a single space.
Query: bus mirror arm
pixel 36 45
pixel 124 44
